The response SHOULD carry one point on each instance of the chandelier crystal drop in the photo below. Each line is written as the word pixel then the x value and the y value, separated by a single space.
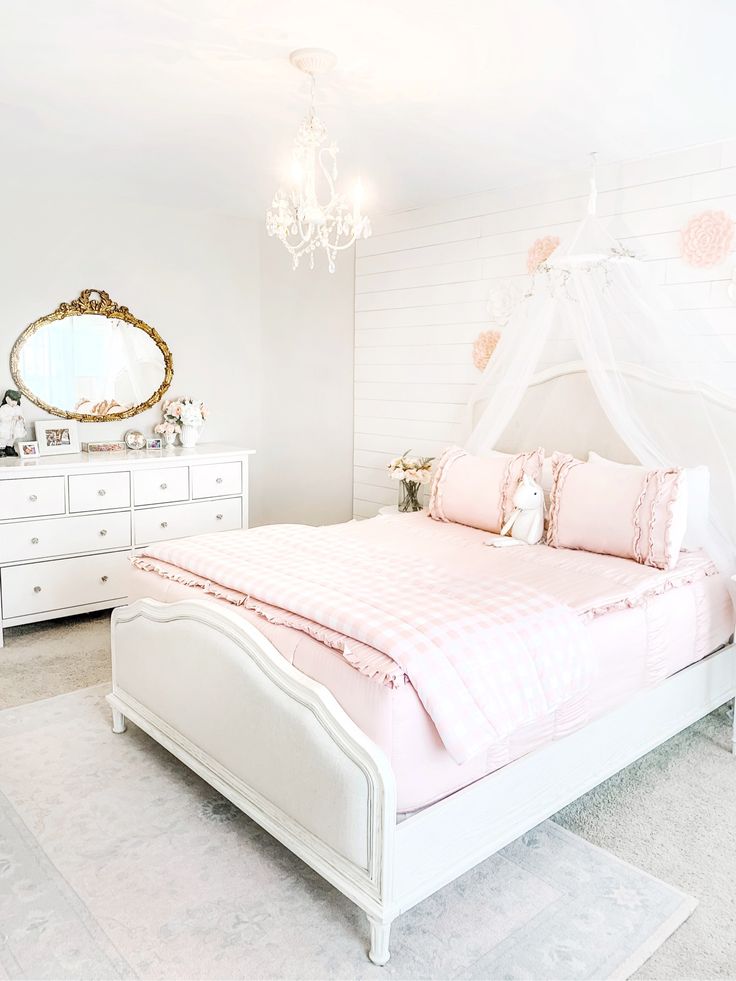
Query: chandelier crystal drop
pixel 297 216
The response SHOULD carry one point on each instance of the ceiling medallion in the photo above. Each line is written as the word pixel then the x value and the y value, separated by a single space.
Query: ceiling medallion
pixel 297 216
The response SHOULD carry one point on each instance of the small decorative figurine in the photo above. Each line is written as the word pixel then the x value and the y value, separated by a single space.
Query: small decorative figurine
pixel 526 522
pixel 12 424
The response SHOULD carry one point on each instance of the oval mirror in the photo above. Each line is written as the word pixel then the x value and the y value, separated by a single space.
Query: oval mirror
pixel 91 360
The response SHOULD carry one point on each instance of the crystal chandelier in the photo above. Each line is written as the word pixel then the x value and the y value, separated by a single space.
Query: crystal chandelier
pixel 297 216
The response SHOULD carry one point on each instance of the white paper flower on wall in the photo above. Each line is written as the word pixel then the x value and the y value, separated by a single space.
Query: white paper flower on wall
pixel 502 299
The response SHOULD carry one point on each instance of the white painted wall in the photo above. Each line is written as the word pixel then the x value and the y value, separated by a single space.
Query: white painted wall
pixel 270 350
pixel 423 279
pixel 194 277
pixel 307 365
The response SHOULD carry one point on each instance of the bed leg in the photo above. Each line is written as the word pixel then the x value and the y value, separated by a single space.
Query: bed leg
pixel 118 721
pixel 380 931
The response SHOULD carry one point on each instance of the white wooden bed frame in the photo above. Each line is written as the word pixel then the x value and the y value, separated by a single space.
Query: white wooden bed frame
pixel 212 689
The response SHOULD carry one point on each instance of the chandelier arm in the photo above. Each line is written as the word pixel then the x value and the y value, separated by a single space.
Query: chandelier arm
pixel 328 177
pixel 347 245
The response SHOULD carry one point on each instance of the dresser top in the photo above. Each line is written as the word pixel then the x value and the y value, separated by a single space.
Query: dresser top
pixel 13 466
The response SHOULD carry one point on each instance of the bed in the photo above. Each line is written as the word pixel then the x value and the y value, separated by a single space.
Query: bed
pixel 333 750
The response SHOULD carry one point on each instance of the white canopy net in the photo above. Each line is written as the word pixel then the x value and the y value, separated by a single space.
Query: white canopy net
pixel 594 357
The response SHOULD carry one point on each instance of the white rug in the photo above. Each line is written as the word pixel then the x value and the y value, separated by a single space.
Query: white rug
pixel 116 861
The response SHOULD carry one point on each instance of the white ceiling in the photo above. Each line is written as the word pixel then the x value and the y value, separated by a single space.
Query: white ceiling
pixel 194 101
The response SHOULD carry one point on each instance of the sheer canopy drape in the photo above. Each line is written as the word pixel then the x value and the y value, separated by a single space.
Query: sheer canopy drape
pixel 594 349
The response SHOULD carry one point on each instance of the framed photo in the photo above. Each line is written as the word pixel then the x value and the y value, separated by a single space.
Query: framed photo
pixel 27 449
pixel 154 443
pixel 57 436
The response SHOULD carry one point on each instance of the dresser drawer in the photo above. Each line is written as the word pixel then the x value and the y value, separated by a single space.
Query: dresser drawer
pixel 99 491
pixel 29 497
pixel 46 586
pixel 62 536
pixel 185 520
pixel 217 480
pixel 161 486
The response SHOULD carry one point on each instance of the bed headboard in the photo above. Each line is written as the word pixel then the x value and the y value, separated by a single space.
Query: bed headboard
pixel 560 410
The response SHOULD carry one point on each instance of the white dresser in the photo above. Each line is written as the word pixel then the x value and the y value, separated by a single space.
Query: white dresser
pixel 68 524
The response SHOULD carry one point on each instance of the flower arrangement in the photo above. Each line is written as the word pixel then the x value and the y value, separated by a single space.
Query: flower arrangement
pixel 502 299
pixel 707 238
pixel 175 408
pixel 168 430
pixel 412 472
pixel 539 251
pixel 185 417
pixel 483 347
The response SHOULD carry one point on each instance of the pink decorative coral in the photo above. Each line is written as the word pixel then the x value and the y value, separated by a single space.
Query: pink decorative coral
pixel 483 348
pixel 540 251
pixel 707 238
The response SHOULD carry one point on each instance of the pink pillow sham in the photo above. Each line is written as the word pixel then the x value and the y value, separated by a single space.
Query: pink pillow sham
pixel 477 491
pixel 614 509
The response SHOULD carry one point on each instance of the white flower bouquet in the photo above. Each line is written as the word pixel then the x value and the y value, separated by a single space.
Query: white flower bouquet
pixel 184 417
pixel 412 472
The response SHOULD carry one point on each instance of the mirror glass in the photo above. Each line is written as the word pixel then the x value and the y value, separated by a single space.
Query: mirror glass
pixel 91 364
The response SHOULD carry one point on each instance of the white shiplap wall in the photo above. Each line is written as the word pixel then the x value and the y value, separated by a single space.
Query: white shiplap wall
pixel 423 279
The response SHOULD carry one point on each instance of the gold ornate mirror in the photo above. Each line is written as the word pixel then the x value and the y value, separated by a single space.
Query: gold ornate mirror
pixel 91 360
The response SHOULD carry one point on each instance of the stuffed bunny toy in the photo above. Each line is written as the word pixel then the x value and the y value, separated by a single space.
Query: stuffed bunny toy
pixel 526 522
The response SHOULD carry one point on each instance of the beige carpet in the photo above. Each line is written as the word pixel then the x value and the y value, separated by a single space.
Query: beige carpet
pixel 672 814
pixel 45 659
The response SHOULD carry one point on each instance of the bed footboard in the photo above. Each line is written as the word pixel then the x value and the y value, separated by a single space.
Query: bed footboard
pixel 213 690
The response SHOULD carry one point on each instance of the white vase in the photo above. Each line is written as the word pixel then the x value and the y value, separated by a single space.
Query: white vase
pixel 169 440
pixel 189 436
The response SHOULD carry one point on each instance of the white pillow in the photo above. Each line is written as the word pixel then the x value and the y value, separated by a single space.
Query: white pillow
pixel 696 500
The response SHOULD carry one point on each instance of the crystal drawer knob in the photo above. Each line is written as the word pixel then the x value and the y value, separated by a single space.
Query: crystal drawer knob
pixel 33 498
pixel 219 480
pixel 164 524
pixel 101 492
pixel 219 517
pixel 34 541
pixel 36 589
pixel 104 578
pixel 164 486
pixel 103 531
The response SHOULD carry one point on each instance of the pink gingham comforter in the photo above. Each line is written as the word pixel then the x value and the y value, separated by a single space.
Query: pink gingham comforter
pixel 485 655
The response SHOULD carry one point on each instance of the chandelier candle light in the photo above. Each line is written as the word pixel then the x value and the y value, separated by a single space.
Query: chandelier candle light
pixel 297 217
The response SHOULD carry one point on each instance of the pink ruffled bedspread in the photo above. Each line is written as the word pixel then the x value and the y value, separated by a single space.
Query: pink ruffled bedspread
pixel 486 654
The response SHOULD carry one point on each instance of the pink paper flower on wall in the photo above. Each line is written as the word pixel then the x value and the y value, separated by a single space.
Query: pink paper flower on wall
pixel 483 348
pixel 707 238
pixel 540 251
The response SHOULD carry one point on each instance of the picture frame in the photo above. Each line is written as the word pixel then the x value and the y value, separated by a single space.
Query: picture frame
pixel 57 437
pixel 154 443
pixel 27 449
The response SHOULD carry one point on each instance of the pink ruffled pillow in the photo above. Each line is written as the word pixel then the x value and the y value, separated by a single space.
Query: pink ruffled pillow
pixel 615 509
pixel 477 490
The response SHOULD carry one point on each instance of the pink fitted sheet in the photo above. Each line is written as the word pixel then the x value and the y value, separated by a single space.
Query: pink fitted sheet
pixel 643 626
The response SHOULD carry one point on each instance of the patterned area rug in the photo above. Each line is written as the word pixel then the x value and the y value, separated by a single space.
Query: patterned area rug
pixel 117 862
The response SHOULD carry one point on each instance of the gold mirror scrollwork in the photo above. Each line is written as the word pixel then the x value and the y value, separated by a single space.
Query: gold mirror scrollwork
pixel 99 304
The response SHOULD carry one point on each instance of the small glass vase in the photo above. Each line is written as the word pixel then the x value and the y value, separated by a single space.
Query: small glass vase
pixel 409 496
